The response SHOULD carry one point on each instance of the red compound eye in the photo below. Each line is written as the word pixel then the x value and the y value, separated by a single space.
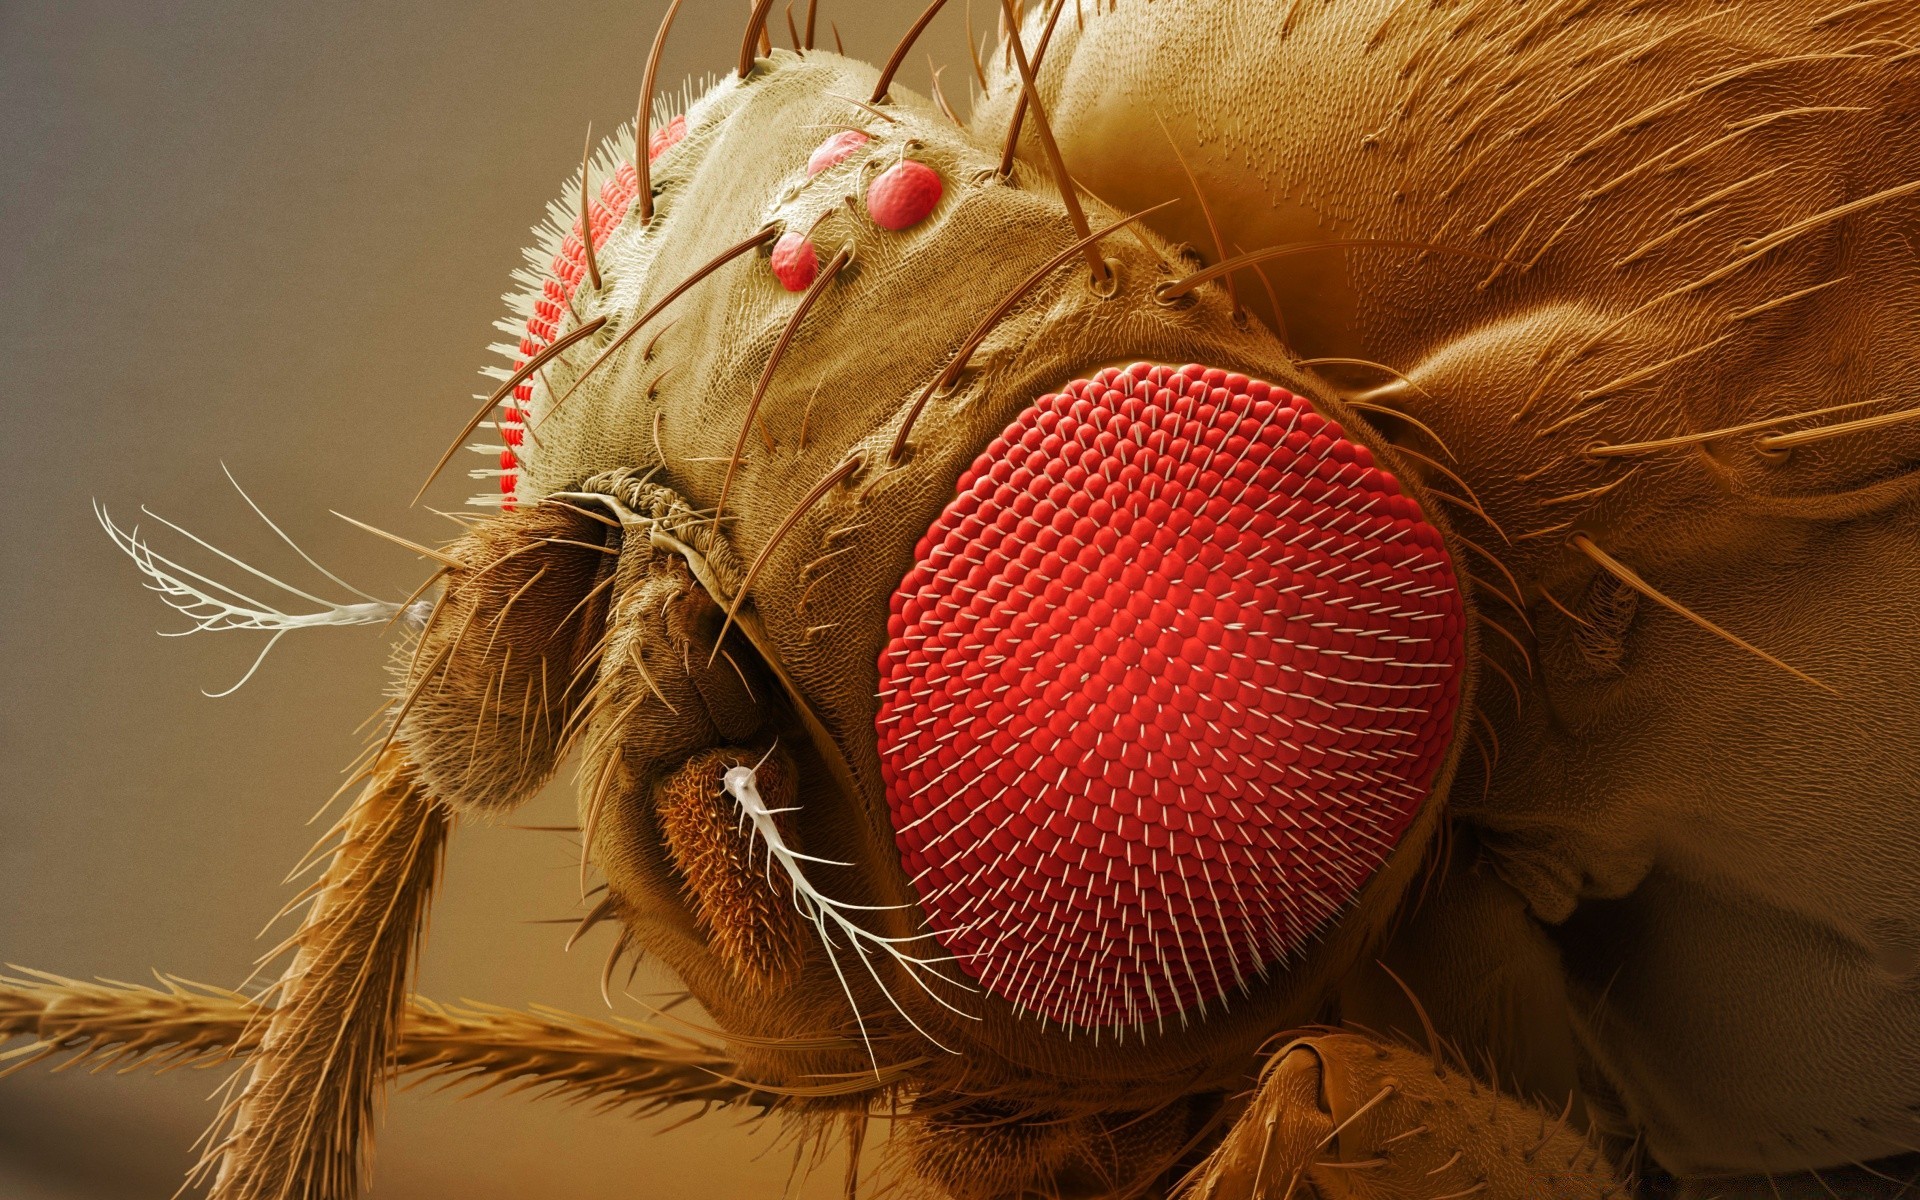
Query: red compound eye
pixel 666 137
pixel 617 194
pixel 1169 679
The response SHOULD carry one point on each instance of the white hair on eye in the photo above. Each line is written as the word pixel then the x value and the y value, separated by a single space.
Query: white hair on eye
pixel 821 911
pixel 533 280
pixel 214 607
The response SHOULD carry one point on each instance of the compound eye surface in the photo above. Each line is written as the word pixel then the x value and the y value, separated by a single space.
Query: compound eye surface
pixel 546 309
pixel 1169 679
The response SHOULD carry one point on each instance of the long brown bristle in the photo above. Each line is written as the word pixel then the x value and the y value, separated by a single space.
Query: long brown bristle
pixel 1802 437
pixel 993 318
pixel 1519 646
pixel 586 210
pixel 752 39
pixel 1694 439
pixel 939 96
pixel 1434 464
pixel 1273 297
pixel 1206 210
pixel 1374 406
pixel 1069 193
pixel 973 51
pixel 500 393
pixel 1483 552
pixel 643 120
pixel 1019 117
pixel 602 911
pixel 1631 578
pixel 847 467
pixel 713 264
pixel 899 55
pixel 408 543
pixel 1487 660
pixel 819 286
pixel 1180 287
pixel 1488 586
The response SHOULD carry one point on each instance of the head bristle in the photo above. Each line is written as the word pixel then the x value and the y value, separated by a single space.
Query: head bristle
pixel 1206 210
pixel 751 242
pixel 586 211
pixel 1628 576
pixel 493 401
pixel 643 119
pixel 899 55
pixel 754 37
pixel 819 285
pixel 1012 143
pixel 1069 192
pixel 980 331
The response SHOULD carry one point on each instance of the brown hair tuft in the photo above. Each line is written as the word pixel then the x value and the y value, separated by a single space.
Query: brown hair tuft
pixel 505 662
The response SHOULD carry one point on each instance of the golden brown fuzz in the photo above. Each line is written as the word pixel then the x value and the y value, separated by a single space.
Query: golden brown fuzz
pixel 1349 1117
pixel 977 1153
pixel 299 1127
pixel 745 909
pixel 984 1150
pixel 505 661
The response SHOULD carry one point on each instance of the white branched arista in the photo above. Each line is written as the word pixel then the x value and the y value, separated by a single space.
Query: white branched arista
pixel 215 607
pixel 821 911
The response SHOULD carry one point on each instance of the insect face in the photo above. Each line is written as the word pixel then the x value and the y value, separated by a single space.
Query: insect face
pixel 1114 699
pixel 984 714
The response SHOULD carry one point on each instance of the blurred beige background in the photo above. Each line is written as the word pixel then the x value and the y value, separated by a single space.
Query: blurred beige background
pixel 274 235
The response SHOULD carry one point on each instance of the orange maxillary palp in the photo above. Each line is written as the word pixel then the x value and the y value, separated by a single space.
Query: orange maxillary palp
pixel 1172 674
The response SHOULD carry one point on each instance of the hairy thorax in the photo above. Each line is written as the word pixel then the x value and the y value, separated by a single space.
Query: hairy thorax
pixel 1608 265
